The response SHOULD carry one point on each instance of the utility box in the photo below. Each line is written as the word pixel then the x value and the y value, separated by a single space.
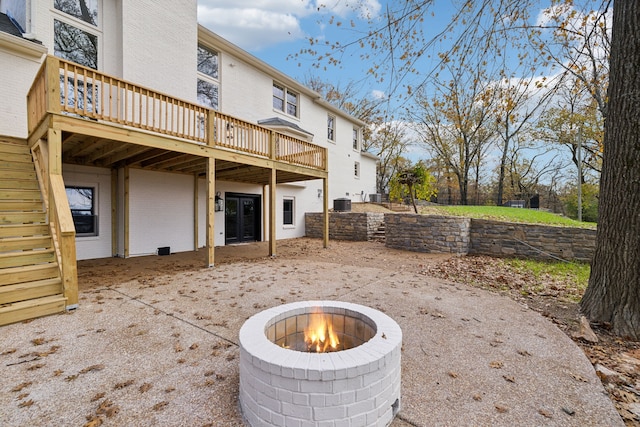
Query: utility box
pixel 375 198
pixel 165 250
pixel 342 205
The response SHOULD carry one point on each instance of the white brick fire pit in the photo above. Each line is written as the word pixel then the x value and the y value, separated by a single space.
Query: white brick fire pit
pixel 285 382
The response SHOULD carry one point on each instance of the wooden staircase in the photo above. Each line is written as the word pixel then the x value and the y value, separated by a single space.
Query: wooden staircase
pixel 30 283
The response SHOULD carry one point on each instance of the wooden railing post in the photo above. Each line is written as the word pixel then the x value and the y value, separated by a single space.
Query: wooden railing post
pixel 211 128
pixel 272 145
pixel 52 72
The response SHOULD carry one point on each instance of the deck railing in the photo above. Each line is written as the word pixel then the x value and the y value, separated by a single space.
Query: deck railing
pixel 63 87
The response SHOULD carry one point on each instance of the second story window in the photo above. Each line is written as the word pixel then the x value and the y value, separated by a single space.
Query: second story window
pixel 208 79
pixel 356 139
pixel 76 32
pixel 285 100
pixel 331 127
pixel 356 169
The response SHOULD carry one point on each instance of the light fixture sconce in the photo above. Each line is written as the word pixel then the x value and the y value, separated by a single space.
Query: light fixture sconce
pixel 219 207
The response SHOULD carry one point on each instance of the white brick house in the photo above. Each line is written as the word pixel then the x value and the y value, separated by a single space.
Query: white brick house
pixel 157 47
pixel 149 131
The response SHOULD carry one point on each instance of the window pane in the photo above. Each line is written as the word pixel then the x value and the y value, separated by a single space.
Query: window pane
pixel 208 94
pixel 278 97
pixel 82 205
pixel 208 62
pixel 355 139
pixel 292 104
pixel 287 211
pixel 85 10
pixel 330 127
pixel 73 44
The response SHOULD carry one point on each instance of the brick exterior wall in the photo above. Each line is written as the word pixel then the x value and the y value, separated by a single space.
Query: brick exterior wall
pixel 352 226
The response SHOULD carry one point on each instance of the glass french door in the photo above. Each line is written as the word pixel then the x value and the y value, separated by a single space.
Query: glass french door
pixel 242 218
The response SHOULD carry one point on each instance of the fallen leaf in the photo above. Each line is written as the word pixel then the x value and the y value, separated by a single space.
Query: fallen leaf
pixel 545 413
pixel 193 346
pixel 38 341
pixel 123 384
pixel 160 405
pixel 509 378
pixel 452 374
pixel 98 396
pixel 10 351
pixel 496 364
pixel 25 404
pixel 92 368
pixel 21 386
pixel 145 387
pixel 501 409
pixel 93 422
pixel 477 397
pixel 36 366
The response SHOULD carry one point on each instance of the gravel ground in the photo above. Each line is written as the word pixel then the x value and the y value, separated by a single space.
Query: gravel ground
pixel 154 342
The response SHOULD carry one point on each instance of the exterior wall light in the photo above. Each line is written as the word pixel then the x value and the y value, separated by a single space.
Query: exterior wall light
pixel 219 207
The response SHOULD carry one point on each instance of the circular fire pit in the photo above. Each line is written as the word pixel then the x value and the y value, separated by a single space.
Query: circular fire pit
pixel 350 374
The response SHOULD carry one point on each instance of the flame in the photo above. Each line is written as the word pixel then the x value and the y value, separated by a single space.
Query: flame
pixel 319 334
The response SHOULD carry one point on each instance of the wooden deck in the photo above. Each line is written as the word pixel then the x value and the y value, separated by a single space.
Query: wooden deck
pixel 77 115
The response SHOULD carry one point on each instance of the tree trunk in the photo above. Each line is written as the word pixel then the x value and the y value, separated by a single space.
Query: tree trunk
pixel 613 294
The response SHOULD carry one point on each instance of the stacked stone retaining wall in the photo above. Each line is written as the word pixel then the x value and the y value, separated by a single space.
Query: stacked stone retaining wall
pixel 353 226
pixel 428 233
pixel 458 235
pixel 497 238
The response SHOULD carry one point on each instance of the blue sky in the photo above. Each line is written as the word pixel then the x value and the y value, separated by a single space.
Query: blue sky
pixel 272 30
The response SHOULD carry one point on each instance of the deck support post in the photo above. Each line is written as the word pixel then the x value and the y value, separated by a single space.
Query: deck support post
pixel 211 207
pixel 325 210
pixel 272 212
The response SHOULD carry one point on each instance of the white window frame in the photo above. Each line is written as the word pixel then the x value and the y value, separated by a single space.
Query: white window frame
pixel 210 79
pixel 331 127
pixel 285 100
pixel 356 139
pixel 293 212
pixel 65 18
pixel 94 205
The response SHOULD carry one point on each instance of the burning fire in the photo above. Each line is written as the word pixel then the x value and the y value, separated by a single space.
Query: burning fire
pixel 319 334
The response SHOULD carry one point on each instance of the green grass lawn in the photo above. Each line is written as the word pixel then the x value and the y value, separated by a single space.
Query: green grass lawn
pixel 499 213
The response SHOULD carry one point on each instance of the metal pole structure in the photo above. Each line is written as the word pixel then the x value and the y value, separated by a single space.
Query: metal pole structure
pixel 579 156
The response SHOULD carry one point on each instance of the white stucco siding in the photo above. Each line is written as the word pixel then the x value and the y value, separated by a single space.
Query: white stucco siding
pixel 159 45
pixel 161 212
pixel 100 179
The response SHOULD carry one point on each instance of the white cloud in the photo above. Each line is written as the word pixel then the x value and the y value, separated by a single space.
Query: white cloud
pixel 251 29
pixel 256 24
pixel 378 94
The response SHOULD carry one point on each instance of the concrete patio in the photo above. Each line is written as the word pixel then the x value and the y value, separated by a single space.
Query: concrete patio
pixel 160 346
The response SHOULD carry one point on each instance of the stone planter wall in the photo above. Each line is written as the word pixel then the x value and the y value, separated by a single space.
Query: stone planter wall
pixel 352 226
pixel 428 233
pixel 458 235
pixel 497 238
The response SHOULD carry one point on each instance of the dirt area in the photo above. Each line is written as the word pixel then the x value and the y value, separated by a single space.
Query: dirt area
pixel 617 360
